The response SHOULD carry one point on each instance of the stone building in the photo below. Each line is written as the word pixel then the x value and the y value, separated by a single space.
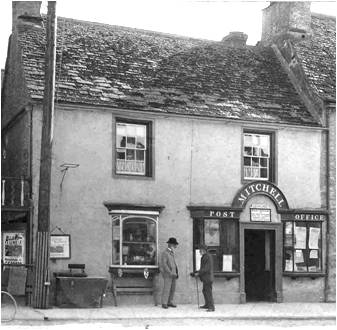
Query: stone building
pixel 158 135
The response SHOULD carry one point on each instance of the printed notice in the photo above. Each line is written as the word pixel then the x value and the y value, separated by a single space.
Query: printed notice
pixel 289 228
pixel 227 265
pixel 300 237
pixel 313 254
pixel 197 259
pixel 312 269
pixel 289 266
pixel 314 234
pixel 299 256
pixel 13 247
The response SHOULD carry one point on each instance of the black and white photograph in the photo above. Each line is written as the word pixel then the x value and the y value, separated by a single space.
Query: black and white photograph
pixel 168 164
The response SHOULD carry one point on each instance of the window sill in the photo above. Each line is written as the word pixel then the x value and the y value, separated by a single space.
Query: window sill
pixel 296 275
pixel 132 270
pixel 227 275
pixel 132 177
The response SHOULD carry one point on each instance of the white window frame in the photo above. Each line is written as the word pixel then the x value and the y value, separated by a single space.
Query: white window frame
pixel 259 167
pixel 121 216
pixel 135 149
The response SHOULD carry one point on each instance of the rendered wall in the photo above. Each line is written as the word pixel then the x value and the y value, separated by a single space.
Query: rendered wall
pixel 196 162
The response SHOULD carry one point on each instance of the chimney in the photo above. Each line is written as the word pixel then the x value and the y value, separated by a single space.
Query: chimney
pixel 26 13
pixel 286 20
pixel 235 39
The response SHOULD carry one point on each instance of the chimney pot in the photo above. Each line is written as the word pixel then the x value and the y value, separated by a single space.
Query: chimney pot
pixel 235 39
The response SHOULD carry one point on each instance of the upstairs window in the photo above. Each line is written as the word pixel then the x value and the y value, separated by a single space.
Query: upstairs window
pixel 257 156
pixel 133 148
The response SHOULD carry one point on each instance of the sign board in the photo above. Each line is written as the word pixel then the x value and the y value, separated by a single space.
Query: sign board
pixel 257 214
pixel 60 246
pixel 13 247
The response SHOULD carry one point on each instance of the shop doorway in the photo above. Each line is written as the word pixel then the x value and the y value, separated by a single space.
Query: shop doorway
pixel 259 264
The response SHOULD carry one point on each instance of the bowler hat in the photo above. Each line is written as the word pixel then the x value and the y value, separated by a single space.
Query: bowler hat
pixel 172 240
pixel 203 247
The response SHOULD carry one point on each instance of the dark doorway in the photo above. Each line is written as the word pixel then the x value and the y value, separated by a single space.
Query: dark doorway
pixel 260 265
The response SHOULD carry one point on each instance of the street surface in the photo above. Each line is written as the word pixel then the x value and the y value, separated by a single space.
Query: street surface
pixel 181 324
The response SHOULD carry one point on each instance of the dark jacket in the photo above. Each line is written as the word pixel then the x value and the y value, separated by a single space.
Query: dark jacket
pixel 206 268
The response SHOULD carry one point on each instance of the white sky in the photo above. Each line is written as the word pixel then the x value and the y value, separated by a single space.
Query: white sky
pixel 207 19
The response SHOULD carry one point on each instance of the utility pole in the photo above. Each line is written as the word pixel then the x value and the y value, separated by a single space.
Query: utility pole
pixel 42 278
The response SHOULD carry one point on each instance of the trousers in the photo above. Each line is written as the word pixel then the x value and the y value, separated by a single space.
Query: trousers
pixel 208 295
pixel 168 290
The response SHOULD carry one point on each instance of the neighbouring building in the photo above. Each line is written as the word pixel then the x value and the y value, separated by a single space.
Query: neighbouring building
pixel 158 135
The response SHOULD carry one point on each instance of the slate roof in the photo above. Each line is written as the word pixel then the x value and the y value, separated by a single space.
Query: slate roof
pixel 318 55
pixel 127 68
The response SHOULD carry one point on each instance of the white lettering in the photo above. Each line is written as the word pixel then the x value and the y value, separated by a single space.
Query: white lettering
pixel 258 187
pixel 211 213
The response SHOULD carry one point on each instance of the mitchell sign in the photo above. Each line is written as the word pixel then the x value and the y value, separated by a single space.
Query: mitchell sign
pixel 260 187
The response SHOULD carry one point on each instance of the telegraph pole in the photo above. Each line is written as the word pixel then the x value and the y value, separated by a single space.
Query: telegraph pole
pixel 42 278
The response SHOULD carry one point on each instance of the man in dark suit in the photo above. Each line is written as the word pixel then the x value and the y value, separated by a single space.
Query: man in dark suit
pixel 206 276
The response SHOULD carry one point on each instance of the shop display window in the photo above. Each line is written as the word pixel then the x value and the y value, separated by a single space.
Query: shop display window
pixel 222 239
pixel 302 246
pixel 134 241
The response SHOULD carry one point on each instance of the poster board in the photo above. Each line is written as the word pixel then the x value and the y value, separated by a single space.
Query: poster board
pixel 60 246
pixel 212 232
pixel 260 215
pixel 197 259
pixel 14 247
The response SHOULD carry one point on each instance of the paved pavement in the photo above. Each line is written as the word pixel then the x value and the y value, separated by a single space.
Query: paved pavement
pixel 249 311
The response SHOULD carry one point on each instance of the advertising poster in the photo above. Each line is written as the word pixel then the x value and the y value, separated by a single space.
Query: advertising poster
pixel 314 234
pixel 300 237
pixel 13 244
pixel 227 264
pixel 60 246
pixel 212 233
pixel 197 259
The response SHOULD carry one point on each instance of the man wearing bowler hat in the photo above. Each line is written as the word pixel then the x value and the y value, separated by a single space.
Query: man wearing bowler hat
pixel 169 271
pixel 206 276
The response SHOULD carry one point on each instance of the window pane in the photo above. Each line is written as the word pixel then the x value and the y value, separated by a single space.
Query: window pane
pixel 131 130
pixel 120 154
pixel 256 140
pixel 131 142
pixel 141 142
pixel 256 151
pixel 265 152
pixel 140 154
pixel 255 161
pixel 121 138
pixel 247 140
pixel 141 130
pixel 264 173
pixel 264 162
pixel 130 154
pixel 248 151
pixel 139 242
pixel 247 161
pixel 115 242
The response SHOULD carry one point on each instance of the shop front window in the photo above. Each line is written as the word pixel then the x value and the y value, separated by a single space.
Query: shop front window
pixel 302 246
pixel 222 239
pixel 134 240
